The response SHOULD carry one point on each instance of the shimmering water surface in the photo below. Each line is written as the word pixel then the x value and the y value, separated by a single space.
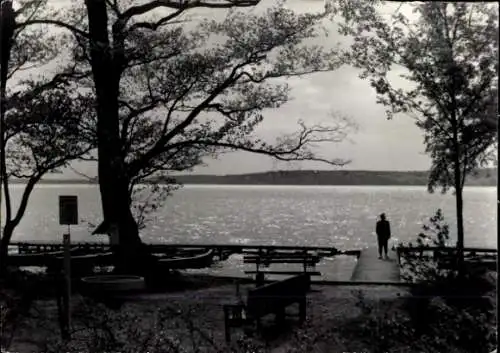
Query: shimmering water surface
pixel 338 216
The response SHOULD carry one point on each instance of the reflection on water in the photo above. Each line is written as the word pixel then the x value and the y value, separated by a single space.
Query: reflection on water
pixel 323 216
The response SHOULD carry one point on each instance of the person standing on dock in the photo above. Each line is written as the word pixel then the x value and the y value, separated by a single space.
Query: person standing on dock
pixel 383 230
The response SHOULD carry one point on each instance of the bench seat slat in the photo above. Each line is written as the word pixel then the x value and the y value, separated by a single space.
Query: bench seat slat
pixel 280 256
pixel 279 261
pixel 311 273
pixel 277 256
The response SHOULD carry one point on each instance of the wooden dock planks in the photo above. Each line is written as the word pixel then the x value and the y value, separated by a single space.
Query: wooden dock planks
pixel 372 269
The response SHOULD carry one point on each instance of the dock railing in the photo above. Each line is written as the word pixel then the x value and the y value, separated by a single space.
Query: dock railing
pixel 436 252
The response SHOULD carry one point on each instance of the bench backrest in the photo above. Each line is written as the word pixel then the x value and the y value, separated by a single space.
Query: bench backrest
pixel 310 260
pixel 266 299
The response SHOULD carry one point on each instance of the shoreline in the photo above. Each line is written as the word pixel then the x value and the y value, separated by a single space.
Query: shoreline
pixel 283 185
pixel 484 177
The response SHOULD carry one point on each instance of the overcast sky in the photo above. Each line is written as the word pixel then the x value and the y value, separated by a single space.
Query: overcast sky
pixel 378 144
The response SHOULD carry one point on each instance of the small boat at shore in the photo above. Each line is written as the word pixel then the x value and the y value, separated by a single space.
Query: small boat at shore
pixel 81 263
pixel 37 259
pixel 179 261
pixel 97 259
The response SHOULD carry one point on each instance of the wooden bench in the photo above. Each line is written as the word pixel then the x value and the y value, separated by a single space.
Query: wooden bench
pixel 275 254
pixel 308 262
pixel 272 298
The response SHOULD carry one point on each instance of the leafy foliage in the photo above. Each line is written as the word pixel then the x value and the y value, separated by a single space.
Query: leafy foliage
pixel 46 132
pixel 424 325
pixel 450 56
pixel 187 94
pixel 198 100
pixel 444 303
pixel 171 92
pixel 419 267
pixel 147 198
pixel 43 126
pixel 17 296
pixel 438 231
pixel 164 329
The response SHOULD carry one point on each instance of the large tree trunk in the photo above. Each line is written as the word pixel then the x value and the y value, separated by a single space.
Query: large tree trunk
pixel 460 226
pixel 11 224
pixel 7 28
pixel 459 202
pixel 113 178
pixel 8 230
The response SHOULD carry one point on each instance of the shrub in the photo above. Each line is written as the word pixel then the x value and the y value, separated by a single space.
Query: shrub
pixel 445 308
pixel 161 330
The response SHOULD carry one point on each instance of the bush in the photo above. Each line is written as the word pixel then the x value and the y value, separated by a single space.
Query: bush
pixel 434 280
pixel 17 295
pixel 420 268
pixel 448 309
pixel 384 328
pixel 161 330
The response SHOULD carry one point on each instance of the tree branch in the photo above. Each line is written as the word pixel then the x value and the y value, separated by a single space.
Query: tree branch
pixel 114 6
pixel 280 155
pixel 136 165
pixel 156 25
pixel 57 23
pixel 184 5
pixel 82 174
pixel 25 198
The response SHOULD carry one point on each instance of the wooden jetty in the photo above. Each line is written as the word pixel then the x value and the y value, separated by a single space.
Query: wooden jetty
pixel 371 269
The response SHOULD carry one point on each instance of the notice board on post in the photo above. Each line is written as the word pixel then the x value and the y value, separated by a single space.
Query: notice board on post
pixel 68 209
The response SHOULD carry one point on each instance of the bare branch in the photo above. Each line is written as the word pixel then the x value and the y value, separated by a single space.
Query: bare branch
pixel 113 5
pixel 81 174
pixel 156 25
pixel 57 23
pixel 282 155
pixel 183 5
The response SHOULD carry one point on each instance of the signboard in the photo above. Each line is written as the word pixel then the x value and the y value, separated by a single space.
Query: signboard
pixel 68 210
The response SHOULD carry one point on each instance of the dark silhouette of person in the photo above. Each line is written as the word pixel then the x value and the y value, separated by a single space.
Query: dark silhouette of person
pixel 383 231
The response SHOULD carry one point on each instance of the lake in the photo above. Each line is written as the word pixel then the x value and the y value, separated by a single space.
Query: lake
pixel 340 216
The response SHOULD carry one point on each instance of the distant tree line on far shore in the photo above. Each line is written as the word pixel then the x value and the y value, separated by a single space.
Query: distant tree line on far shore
pixel 484 177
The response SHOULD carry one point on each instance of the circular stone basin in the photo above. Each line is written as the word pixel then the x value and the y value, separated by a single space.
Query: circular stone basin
pixel 113 283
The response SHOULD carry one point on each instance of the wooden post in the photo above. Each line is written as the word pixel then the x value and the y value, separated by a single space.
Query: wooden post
pixel 67 287
pixel 227 332
pixel 280 316
pixel 259 279
pixel 302 310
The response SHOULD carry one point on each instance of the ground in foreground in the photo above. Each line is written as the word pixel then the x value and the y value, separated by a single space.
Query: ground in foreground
pixel 339 319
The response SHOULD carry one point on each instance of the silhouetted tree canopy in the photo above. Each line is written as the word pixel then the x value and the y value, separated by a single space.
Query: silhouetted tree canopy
pixel 449 57
pixel 170 91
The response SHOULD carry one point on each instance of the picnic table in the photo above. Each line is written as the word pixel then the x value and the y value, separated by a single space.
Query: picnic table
pixel 272 298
